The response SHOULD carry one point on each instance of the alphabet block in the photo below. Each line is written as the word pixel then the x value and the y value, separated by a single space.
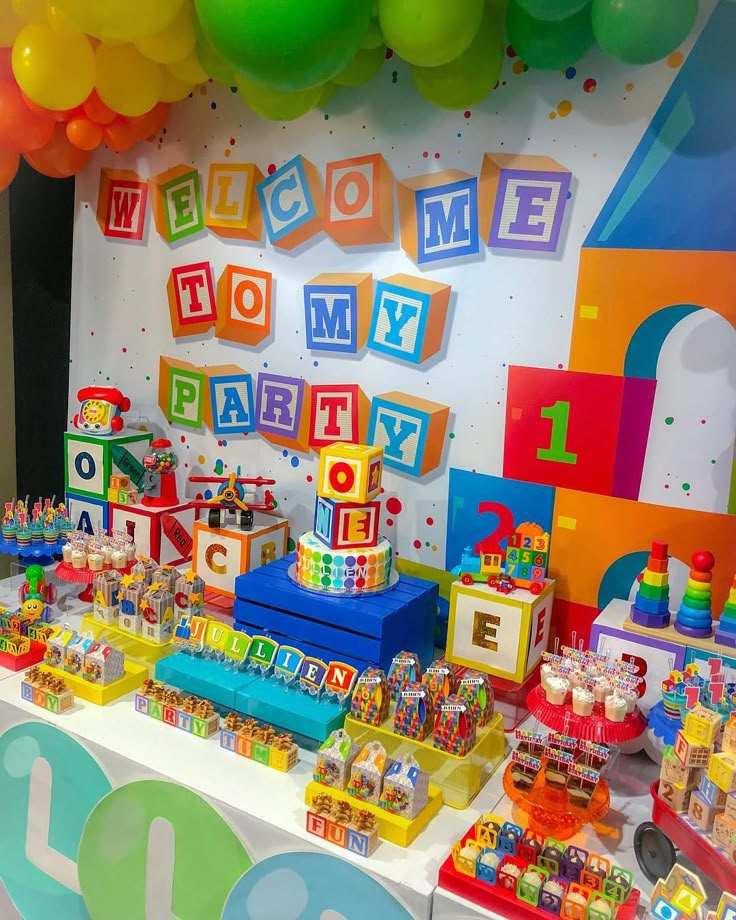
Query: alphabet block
pixel 703 725
pixel 292 202
pixel 522 201
pixel 192 302
pixel 344 525
pixel 350 472
pixel 700 812
pixel 722 771
pixel 89 461
pixel 230 407
pixel 182 392
pixel 438 216
pixel 409 317
pixel 711 794
pixel 244 305
pixel 337 310
pixel 162 534
pixel 724 832
pixel 338 412
pixel 674 795
pixel 359 201
pixel 689 752
pixel 88 514
pixel 410 430
pixel 675 771
pixel 221 555
pixel 577 430
pixel 176 199
pixel 122 204
pixel 283 411
pixel 233 211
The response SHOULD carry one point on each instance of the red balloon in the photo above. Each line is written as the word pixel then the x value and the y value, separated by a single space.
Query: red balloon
pixel 59 158
pixel 151 122
pixel 21 129
pixel 84 134
pixel 96 110
pixel 120 135
pixel 9 163
pixel 703 561
pixel 6 64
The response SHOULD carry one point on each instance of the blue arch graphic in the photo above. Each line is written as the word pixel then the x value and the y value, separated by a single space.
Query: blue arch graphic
pixel 646 343
pixel 620 576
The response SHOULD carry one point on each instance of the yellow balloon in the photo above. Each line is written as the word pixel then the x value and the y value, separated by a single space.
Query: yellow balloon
pixel 121 20
pixel 175 43
pixel 31 10
pixel 54 69
pixel 173 90
pixel 126 81
pixel 10 24
pixel 189 70
pixel 59 21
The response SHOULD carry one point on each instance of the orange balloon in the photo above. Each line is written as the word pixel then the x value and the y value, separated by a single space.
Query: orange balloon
pixel 6 64
pixel 96 110
pixel 9 163
pixel 59 158
pixel 147 125
pixel 119 135
pixel 84 134
pixel 57 114
pixel 20 128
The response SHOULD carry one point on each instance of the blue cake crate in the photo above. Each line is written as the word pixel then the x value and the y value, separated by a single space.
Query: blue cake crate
pixel 369 630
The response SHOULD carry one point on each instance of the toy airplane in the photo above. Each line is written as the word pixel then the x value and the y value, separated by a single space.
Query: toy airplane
pixel 230 499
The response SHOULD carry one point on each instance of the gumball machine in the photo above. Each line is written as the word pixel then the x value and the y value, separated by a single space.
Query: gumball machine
pixel 160 464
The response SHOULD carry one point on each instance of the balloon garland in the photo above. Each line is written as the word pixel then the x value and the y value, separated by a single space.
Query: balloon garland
pixel 76 74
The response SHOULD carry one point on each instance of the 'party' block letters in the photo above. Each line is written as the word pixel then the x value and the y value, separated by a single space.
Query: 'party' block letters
pixel 176 199
pixel 438 214
pixel 359 201
pixel 232 209
pixel 339 412
pixel 121 204
pixel 409 317
pixel 337 310
pixel 244 305
pixel 181 392
pixel 283 411
pixel 292 201
pixel 410 430
pixel 191 294
pixel 230 407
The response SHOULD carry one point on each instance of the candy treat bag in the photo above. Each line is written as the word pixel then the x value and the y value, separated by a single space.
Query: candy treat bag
pixel 477 688
pixel 405 788
pixel 371 698
pixel 405 669
pixel 454 727
pixel 414 715
pixel 366 775
pixel 335 760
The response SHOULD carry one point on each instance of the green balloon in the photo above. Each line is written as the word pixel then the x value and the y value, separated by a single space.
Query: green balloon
pixel 552 10
pixel 642 31
pixel 429 33
pixel 289 45
pixel 326 93
pixel 549 45
pixel 469 78
pixel 210 60
pixel 373 37
pixel 275 105
pixel 363 67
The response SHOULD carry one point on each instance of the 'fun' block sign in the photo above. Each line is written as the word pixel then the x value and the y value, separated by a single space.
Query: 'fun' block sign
pixel 230 406
pixel 410 430
pixel 339 412
pixel 232 210
pixel 192 303
pixel 292 203
pixel 409 317
pixel 522 201
pixel 176 199
pixel 438 214
pixel 181 392
pixel 283 411
pixel 337 308
pixel 244 305
pixel 359 201
pixel 122 204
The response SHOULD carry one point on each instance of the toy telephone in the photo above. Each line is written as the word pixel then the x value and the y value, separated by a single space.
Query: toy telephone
pixel 100 410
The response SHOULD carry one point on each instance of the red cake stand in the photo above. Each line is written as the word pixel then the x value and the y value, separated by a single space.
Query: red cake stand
pixel 85 577
pixel 595 727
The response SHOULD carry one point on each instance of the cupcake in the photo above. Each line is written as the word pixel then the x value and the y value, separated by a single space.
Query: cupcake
pixel 556 690
pixel 554 888
pixel 545 672
pixel 582 701
pixel 79 558
pixel 577 678
pixel 574 904
pixel 95 560
pixel 602 688
pixel 600 907
pixel 66 553
pixel 119 558
pixel 469 852
pixel 511 869
pixel 533 880
pixel 552 852
pixel 490 858
pixel 130 551
pixel 631 697
pixel 615 708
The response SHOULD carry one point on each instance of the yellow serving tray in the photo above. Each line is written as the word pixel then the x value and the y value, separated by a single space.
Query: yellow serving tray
pixel 134 676
pixel 136 648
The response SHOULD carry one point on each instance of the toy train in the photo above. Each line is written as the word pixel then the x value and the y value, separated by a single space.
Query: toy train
pixel 523 564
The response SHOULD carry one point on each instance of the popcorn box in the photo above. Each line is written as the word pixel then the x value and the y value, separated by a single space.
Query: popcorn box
pixel 103 664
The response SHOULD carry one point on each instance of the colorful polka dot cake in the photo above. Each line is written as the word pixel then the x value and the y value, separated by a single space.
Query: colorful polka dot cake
pixel 355 571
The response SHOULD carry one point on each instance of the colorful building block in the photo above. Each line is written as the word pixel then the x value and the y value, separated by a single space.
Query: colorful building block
pixel 409 317
pixel 689 752
pixel 162 534
pixel 359 201
pixel 90 461
pixel 350 472
pixel 338 412
pixel 501 635
pixel 410 430
pixel 438 216
pixel 176 200
pixel 722 771
pixel 292 202
pixel 219 556
pixel 337 309
pixel 676 772
pixel 345 525
pixel 724 832
pixel 674 795
pixel 651 605
pixel 703 725
pixel 711 794
pixel 233 211
pixel 182 392
pixel 244 305
pixel 728 741
pixel 88 514
pixel 701 812
pixel 569 429
pixel 122 204
pixel 522 201
pixel 283 410
pixel 230 406
pixel 192 302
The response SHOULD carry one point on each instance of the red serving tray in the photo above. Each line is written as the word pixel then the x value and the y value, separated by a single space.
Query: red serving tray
pixel 21 662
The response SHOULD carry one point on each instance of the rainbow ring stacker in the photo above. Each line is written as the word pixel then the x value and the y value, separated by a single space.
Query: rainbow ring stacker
pixel 694 618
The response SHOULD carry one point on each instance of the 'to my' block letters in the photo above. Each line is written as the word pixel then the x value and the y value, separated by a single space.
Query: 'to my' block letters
pixel 439 216
pixel 176 199
pixel 409 316
pixel 121 204
pixel 244 305
pixel 338 311
pixel 191 294
pixel 283 411
pixel 410 430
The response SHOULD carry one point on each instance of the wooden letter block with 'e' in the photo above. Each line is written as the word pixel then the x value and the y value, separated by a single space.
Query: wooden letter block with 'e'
pixel 233 211
pixel 337 309
pixel 339 412
pixel 438 215
pixel 176 199
pixel 230 405
pixel 359 201
pixel 292 202
pixel 522 201
pixel 192 303
pixel 282 411
pixel 182 392
pixel 350 472
pixel 344 525
pixel 409 316
pixel 122 204
pixel 244 305
pixel 410 430
pixel 576 430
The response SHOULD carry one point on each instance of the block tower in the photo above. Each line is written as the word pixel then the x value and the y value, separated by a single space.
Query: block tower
pixel 726 631
pixel 652 605
pixel 694 616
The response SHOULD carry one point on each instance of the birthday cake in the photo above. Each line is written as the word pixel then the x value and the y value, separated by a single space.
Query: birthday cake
pixel 344 553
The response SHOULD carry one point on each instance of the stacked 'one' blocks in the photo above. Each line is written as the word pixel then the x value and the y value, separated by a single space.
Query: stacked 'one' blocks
pixel 652 605
pixel 349 478
pixel 726 631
